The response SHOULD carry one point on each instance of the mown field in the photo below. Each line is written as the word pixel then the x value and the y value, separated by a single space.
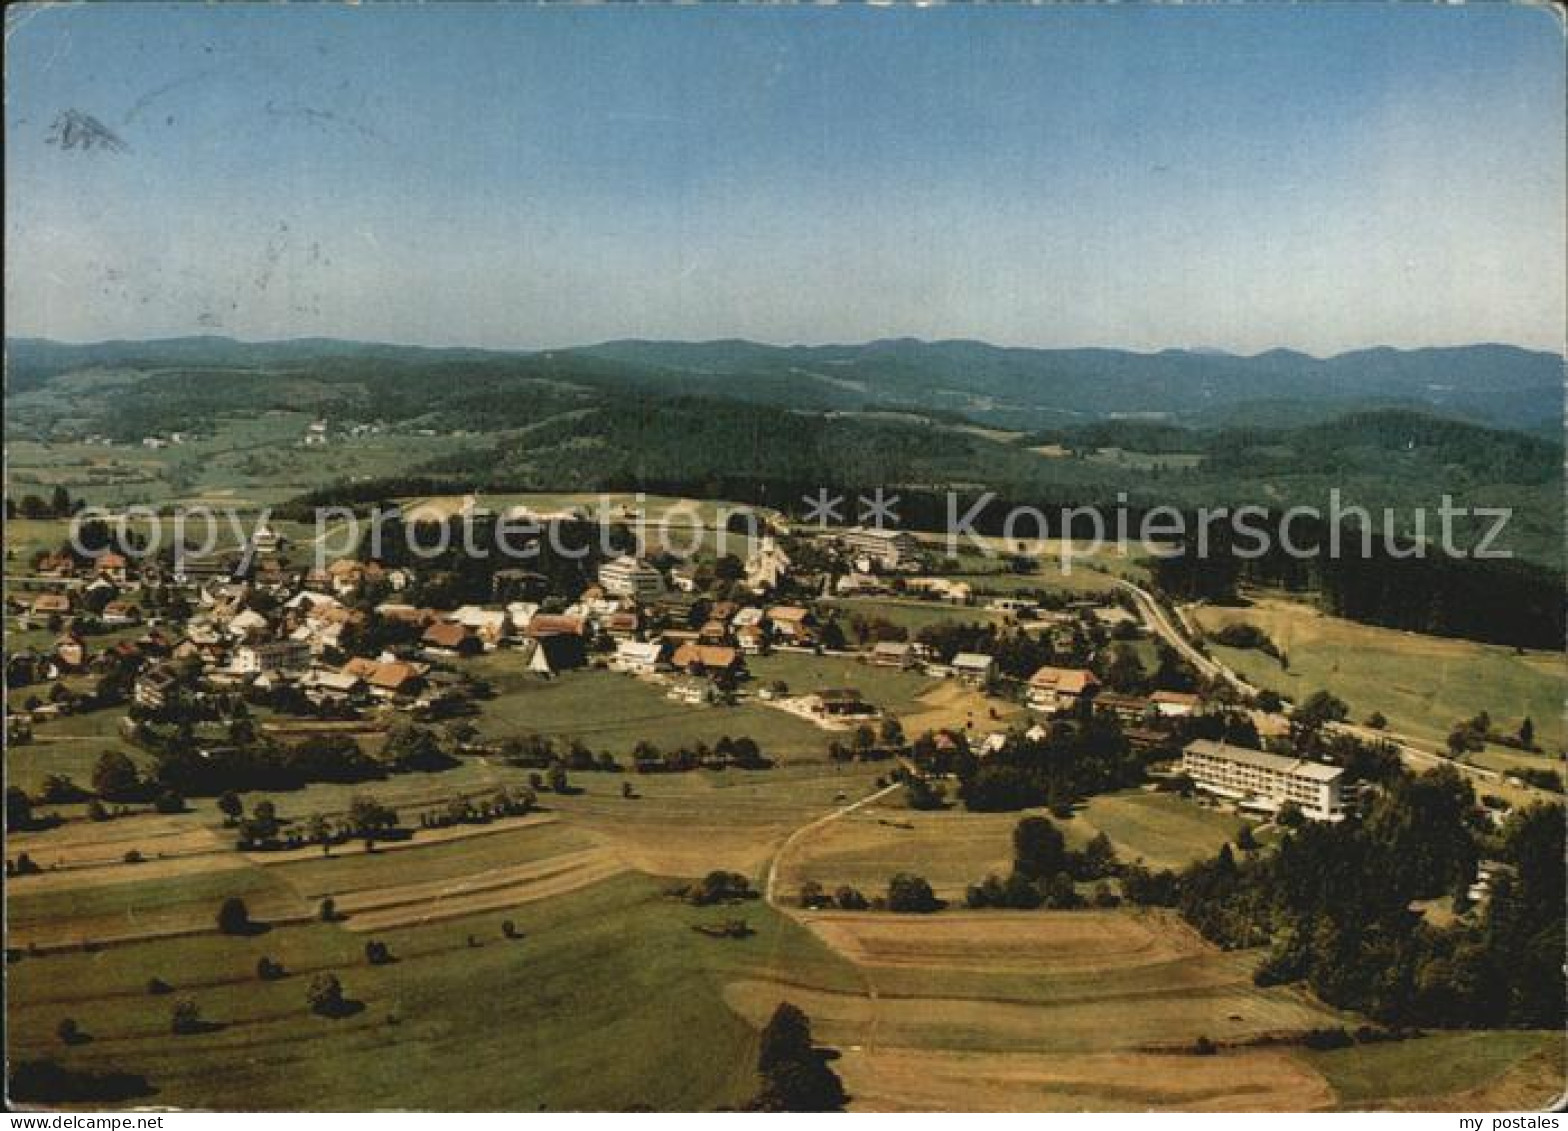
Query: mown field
pixel 613 711
pixel 1422 684
pixel 1161 829
pixel 988 1010
pixel 910 614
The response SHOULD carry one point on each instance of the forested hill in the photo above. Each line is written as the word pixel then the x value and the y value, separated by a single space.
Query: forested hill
pixel 1034 388
pixel 1028 389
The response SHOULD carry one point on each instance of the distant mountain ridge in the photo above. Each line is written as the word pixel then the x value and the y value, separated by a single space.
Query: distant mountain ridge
pixel 1008 386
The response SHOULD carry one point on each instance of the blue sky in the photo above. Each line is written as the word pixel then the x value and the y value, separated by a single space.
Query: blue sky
pixel 1322 177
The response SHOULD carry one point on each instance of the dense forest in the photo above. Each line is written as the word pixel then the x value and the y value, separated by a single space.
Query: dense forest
pixel 1334 905
pixel 737 423
pixel 1497 601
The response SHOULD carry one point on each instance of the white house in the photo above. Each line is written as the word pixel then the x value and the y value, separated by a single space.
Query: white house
pixel 973 667
pixel 638 657
pixel 276 656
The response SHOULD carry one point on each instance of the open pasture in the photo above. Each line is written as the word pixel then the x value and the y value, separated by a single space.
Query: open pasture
pixel 612 711
pixel 1164 830
pixel 950 848
pixel 1422 684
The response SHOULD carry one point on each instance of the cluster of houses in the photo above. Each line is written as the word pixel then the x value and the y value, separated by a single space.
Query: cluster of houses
pixel 307 636
pixel 318 622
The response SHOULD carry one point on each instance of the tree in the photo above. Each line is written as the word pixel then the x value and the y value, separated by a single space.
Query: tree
pixel 558 780
pixel 115 777
pixel 850 899
pixel 812 895
pixel 1377 721
pixel 1039 849
pixel 909 893
pixel 1245 840
pixel 234 917
pixel 268 970
pixel 1290 816
pixel 1527 733
pixel 230 805
pixel 410 747
pixel 786 1037
pixel 795 1075
pixel 327 912
pixel 18 808
pixel 185 1017
pixel 324 995
pixel 367 817
pixel 922 794
pixel 1126 672
pixel 69 1032
pixel 1317 710
pixel 1098 858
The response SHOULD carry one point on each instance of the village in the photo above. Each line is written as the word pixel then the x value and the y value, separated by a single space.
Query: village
pixel 220 637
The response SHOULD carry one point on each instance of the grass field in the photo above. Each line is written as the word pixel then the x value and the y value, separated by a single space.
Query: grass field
pixel 576 1014
pixel 910 614
pixel 1423 684
pixel 951 849
pixel 1406 1070
pixel 612 711
pixel 1039 1011
pixel 249 461
pixel 1162 829
pixel 988 1010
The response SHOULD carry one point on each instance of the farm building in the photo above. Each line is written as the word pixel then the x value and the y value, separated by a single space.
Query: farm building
pixel 1055 689
pixel 838 702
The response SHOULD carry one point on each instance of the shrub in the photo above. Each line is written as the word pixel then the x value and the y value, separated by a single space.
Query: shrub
pixel 328 911
pixel 1335 1038
pixel 850 899
pixel 324 995
pixel 68 1031
pixel 509 930
pixel 268 970
pixel 1204 1047
pixel 185 1017
pixel 234 917
pixel 377 953
pixel 909 893
pixel 156 986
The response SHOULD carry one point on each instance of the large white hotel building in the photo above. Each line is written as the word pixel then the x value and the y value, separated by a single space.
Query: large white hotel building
pixel 1265 781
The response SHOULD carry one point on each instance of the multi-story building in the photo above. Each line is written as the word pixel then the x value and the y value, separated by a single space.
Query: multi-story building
pixel 888 549
pixel 631 577
pixel 1265 781
pixel 286 656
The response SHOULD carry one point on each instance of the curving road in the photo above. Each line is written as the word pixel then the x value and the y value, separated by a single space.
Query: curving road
pixel 770 888
pixel 1155 616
